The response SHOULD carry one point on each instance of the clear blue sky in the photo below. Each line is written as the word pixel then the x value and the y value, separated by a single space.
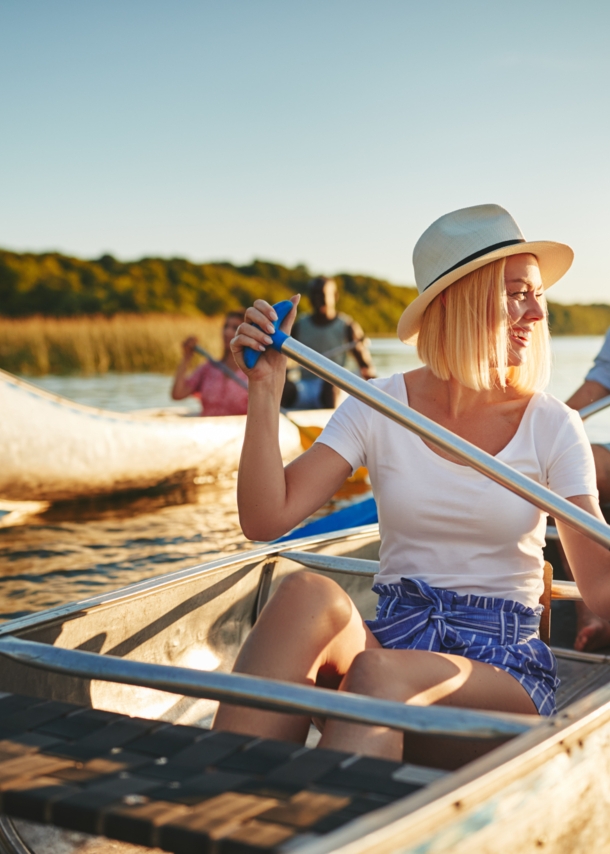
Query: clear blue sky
pixel 327 132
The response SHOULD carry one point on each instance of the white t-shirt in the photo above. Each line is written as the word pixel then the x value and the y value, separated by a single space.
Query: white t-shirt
pixel 445 523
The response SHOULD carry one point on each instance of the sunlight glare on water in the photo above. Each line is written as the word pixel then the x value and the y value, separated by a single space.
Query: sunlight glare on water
pixel 81 551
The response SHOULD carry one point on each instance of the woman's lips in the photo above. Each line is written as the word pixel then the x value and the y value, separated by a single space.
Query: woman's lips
pixel 521 337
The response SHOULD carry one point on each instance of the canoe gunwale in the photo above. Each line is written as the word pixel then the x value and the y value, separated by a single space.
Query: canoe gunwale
pixel 11 841
pixel 268 694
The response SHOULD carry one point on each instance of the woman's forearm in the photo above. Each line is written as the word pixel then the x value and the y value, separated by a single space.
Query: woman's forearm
pixel 271 499
pixel 180 387
pixel 588 560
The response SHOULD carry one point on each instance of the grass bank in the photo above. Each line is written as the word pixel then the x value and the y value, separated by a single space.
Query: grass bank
pixel 35 346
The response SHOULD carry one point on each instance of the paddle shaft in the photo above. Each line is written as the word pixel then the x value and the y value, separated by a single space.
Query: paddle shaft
pixel 520 484
pixel 334 351
pixel 594 407
pixel 221 366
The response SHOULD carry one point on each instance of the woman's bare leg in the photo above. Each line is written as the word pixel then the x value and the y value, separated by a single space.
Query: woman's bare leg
pixel 308 632
pixel 420 678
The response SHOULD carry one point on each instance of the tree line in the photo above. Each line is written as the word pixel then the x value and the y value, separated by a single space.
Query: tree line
pixel 55 285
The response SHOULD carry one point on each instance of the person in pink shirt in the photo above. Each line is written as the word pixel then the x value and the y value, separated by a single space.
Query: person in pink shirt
pixel 219 394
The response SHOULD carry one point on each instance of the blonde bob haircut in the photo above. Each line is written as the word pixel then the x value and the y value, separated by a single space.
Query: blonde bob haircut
pixel 464 334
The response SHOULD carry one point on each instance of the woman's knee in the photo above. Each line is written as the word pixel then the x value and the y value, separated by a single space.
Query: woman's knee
pixel 306 591
pixel 370 673
pixel 382 673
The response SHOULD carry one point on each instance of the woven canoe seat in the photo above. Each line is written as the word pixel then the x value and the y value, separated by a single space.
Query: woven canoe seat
pixel 181 788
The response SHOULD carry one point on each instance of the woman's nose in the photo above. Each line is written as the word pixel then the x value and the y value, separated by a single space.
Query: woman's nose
pixel 535 309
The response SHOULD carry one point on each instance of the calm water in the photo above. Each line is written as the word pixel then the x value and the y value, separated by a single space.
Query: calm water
pixel 80 551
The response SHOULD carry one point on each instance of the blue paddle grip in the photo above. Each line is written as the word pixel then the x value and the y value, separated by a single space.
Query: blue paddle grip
pixel 281 309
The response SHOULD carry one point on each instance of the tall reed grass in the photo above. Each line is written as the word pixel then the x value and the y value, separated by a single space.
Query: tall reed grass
pixel 34 346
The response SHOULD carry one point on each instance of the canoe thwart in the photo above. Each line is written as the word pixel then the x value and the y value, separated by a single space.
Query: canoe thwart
pixel 331 563
pixel 564 590
pixel 268 694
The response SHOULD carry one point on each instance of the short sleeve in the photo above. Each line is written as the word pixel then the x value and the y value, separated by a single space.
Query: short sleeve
pixel 347 432
pixel 600 372
pixel 571 468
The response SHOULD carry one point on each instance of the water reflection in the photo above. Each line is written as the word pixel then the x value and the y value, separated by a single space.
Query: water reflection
pixel 56 560
pixel 78 549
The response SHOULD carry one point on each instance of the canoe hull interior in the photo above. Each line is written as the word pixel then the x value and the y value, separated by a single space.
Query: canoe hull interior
pixel 548 789
pixel 55 450
pixel 199 623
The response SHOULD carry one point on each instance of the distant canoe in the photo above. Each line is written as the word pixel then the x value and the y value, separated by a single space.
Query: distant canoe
pixel 53 449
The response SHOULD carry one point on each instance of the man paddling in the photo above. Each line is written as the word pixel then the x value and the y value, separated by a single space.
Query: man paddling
pixel 330 332
pixel 591 631
pixel 217 390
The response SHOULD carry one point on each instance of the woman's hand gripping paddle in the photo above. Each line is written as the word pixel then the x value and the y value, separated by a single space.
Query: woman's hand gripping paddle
pixel 282 309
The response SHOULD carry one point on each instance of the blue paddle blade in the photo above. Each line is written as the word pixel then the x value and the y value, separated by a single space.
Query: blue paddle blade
pixel 281 309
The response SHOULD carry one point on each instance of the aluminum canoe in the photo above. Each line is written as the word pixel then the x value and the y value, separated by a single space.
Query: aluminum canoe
pixel 546 787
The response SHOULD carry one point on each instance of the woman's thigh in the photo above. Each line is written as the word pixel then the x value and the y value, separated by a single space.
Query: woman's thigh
pixel 423 678
pixel 310 627
pixel 309 632
pixel 427 678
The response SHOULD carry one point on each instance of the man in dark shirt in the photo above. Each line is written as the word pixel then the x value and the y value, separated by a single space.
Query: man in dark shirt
pixel 329 332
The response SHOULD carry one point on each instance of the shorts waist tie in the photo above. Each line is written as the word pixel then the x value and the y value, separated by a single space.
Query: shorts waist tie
pixel 448 619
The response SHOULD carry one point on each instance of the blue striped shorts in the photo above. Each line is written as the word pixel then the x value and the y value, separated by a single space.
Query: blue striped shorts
pixel 412 615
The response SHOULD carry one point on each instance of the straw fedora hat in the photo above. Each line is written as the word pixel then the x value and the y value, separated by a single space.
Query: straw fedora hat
pixel 462 241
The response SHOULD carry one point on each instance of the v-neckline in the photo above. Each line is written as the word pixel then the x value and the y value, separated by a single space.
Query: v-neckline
pixel 437 456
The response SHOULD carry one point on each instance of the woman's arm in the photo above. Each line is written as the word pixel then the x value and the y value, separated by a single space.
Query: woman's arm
pixel 271 499
pixel 361 351
pixel 181 388
pixel 589 392
pixel 589 561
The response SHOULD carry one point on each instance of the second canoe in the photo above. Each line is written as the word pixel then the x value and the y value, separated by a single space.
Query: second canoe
pixel 53 449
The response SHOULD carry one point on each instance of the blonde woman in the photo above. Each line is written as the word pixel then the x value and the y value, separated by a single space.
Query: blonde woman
pixel 461 557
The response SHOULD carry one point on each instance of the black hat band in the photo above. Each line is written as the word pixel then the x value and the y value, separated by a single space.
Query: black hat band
pixel 474 255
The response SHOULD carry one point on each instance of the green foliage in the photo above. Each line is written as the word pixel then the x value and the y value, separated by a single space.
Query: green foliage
pixel 56 285
pixel 579 319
